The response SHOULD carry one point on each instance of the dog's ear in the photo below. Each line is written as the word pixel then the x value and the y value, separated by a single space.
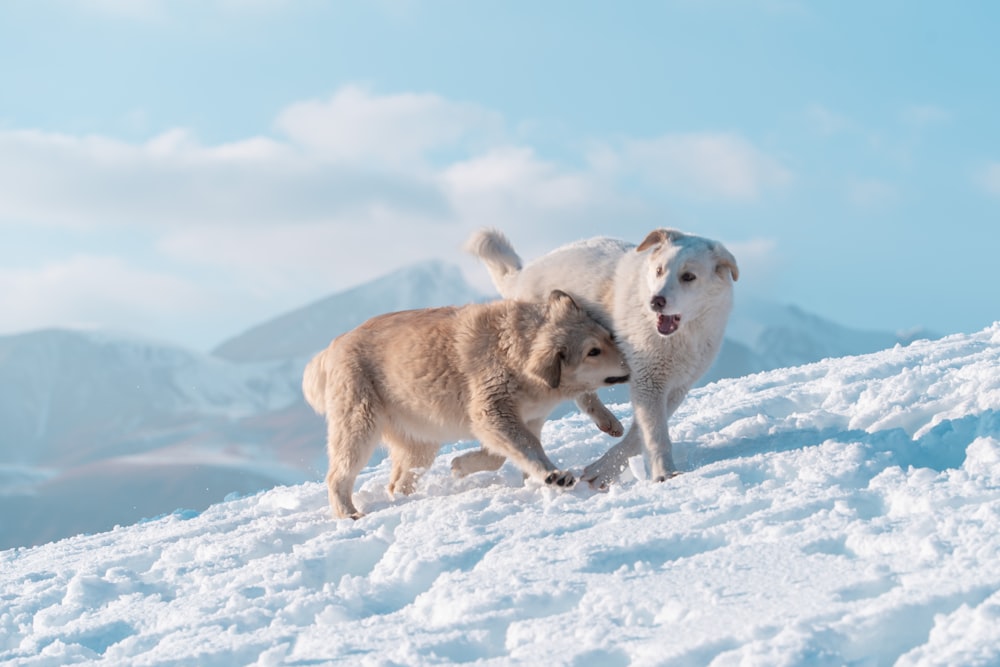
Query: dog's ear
pixel 547 364
pixel 658 237
pixel 561 303
pixel 725 261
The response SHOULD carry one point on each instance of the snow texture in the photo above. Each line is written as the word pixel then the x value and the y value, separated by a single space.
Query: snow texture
pixel 844 512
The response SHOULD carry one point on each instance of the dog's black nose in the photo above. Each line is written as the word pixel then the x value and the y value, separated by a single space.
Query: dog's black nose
pixel 658 303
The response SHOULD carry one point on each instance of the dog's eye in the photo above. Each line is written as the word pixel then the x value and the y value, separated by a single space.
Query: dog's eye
pixel 659 271
pixel 594 351
pixel 688 277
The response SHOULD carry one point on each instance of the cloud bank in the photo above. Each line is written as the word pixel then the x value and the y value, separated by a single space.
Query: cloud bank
pixel 342 189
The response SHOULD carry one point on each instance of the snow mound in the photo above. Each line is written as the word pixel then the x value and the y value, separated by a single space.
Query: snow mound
pixel 844 512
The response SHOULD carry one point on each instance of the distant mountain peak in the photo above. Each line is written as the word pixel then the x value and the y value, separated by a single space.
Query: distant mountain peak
pixel 306 330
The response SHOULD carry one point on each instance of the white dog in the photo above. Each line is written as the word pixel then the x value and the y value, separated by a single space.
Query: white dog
pixel 667 300
pixel 491 371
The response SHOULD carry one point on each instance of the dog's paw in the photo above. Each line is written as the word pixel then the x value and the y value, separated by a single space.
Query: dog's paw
pixel 665 477
pixel 460 465
pixel 598 483
pixel 599 477
pixel 612 427
pixel 563 478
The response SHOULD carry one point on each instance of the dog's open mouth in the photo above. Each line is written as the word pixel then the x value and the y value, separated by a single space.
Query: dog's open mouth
pixel 620 379
pixel 667 324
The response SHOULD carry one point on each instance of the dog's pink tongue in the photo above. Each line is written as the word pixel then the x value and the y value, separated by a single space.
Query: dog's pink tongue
pixel 667 324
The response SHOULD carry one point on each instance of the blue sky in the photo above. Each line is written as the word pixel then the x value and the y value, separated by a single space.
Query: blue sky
pixel 185 169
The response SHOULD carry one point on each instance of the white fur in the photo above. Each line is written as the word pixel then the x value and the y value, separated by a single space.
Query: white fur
pixel 617 282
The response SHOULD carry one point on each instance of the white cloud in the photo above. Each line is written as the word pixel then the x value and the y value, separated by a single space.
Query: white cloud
pixel 88 291
pixel 755 251
pixel 356 126
pixel 989 178
pixel 703 165
pixel 516 173
pixel 172 180
pixel 352 187
pixel 514 189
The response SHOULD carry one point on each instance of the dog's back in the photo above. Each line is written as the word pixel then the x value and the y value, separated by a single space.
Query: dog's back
pixel 560 269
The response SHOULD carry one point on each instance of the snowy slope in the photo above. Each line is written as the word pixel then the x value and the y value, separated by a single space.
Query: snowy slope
pixel 86 418
pixel 844 512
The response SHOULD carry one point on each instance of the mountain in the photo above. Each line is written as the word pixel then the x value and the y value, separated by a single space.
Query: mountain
pixel 86 418
pixel 762 335
pixel 845 512
pixel 307 330
pixel 67 396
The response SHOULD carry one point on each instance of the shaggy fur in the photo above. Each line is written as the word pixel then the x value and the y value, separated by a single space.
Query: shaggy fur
pixel 667 299
pixel 492 372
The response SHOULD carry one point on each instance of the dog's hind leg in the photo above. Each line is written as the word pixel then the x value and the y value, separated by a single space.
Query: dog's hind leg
pixel 591 404
pixel 478 460
pixel 353 426
pixel 409 458
pixel 481 460
pixel 605 470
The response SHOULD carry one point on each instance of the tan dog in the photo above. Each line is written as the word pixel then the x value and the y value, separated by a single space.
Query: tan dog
pixel 417 378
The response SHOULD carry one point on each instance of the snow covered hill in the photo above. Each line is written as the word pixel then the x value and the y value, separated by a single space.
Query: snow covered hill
pixel 87 418
pixel 844 512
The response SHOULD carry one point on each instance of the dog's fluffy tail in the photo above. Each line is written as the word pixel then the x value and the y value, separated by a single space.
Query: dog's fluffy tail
pixel 496 252
pixel 314 383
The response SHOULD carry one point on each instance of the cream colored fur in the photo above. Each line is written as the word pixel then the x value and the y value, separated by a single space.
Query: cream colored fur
pixel 492 372
pixel 667 301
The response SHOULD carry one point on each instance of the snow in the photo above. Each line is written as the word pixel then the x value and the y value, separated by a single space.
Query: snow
pixel 87 417
pixel 843 512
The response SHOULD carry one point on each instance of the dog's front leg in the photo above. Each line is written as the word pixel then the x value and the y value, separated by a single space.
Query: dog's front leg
pixel 512 439
pixel 652 420
pixel 648 434
pixel 591 404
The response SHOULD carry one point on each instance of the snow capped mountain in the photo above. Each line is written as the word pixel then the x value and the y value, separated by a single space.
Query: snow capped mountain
pixel 842 512
pixel 68 396
pixel 307 330
pixel 765 335
pixel 87 418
